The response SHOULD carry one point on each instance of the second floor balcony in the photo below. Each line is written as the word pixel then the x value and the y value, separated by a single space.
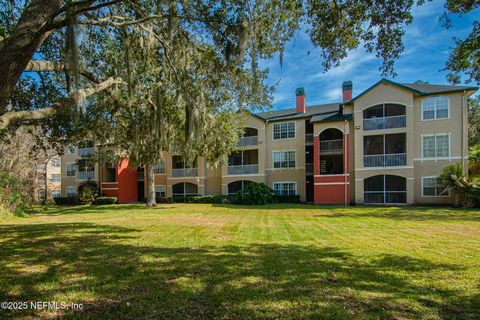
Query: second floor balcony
pixel 85 175
pixel 243 169
pixel 387 150
pixel 184 172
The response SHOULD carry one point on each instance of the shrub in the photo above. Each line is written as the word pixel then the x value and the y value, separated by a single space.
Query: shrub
pixel 65 200
pixel 195 199
pixel 87 192
pixel 13 193
pixel 254 194
pixel 105 200
pixel 289 199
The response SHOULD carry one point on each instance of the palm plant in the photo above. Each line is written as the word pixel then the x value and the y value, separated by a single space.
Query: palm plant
pixel 454 178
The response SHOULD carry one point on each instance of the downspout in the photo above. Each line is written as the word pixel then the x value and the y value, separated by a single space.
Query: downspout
pixel 345 161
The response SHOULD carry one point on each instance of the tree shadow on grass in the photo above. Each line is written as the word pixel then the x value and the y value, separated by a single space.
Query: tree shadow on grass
pixel 103 268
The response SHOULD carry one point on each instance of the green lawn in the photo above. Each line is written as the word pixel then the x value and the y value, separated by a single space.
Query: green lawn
pixel 186 261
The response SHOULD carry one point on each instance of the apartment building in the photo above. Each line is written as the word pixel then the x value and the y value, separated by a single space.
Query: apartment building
pixel 47 179
pixel 387 145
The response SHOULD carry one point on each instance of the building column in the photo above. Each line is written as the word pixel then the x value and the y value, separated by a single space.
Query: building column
pixel 316 155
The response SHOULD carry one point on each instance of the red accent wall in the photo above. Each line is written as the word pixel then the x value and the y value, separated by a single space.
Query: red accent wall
pixel 331 189
pixel 127 182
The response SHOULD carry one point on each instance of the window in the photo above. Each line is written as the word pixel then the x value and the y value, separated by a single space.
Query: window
pixel 71 191
pixel 436 146
pixel 184 189
pixel 435 108
pixel 433 187
pixel 284 130
pixel 55 163
pixel 55 177
pixel 285 188
pixel 160 192
pixel 70 169
pixel 69 149
pixel 236 186
pixel 284 159
pixel 159 168
pixel 385 189
pixel 41 180
pixel 41 194
pixel 55 193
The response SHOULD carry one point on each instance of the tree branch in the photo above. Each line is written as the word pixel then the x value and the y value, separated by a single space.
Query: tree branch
pixel 11 117
pixel 108 21
pixel 44 66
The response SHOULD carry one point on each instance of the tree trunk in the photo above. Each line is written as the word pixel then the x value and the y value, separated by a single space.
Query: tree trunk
pixel 18 48
pixel 151 201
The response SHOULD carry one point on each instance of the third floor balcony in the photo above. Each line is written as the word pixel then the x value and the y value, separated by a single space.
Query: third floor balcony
pixel 249 138
pixel 243 162
pixel 384 116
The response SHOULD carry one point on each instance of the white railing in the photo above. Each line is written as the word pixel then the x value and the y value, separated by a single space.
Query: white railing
pixel 385 123
pixel 331 145
pixel 309 138
pixel 247 141
pixel 185 172
pixel 85 175
pixel 385 197
pixel 385 160
pixel 85 151
pixel 243 169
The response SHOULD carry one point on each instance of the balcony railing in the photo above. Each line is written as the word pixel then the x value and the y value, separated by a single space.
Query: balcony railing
pixel 85 175
pixel 243 169
pixel 309 168
pixel 247 141
pixel 385 160
pixel 309 138
pixel 185 172
pixel 85 151
pixel 331 145
pixel 385 123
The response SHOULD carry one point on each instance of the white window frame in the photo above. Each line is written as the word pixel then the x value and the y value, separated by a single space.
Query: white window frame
pixel 74 169
pixel 284 151
pixel 67 193
pixel 286 124
pixel 55 163
pixel 164 187
pixel 157 168
pixel 58 193
pixel 435 108
pixel 436 135
pixel 435 196
pixel 70 149
pixel 285 182
pixel 58 175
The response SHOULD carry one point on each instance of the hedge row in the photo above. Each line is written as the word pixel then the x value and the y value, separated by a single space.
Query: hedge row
pixel 74 200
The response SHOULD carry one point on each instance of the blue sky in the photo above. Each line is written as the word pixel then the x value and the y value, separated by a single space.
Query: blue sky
pixel 426 43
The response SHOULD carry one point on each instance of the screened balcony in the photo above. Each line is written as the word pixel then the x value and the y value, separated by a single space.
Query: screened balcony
pixel 331 152
pixel 239 185
pixel 85 148
pixel 243 162
pixel 384 116
pixel 249 138
pixel 184 189
pixel 181 168
pixel 384 150
pixel 385 189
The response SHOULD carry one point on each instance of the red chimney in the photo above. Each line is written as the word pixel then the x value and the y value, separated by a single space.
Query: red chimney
pixel 301 107
pixel 347 90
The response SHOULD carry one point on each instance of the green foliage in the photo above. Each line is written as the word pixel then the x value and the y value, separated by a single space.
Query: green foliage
pixel 289 199
pixel 87 192
pixel 13 193
pixel 105 200
pixel 255 194
pixel 195 199
pixel 65 200
pixel 474 121
pixel 474 161
pixel 455 179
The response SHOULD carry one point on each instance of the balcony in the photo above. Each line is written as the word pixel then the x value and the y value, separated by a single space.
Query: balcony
pixel 309 138
pixel 331 145
pixel 383 123
pixel 82 152
pixel 243 169
pixel 385 160
pixel 185 172
pixel 247 141
pixel 85 175
pixel 309 168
